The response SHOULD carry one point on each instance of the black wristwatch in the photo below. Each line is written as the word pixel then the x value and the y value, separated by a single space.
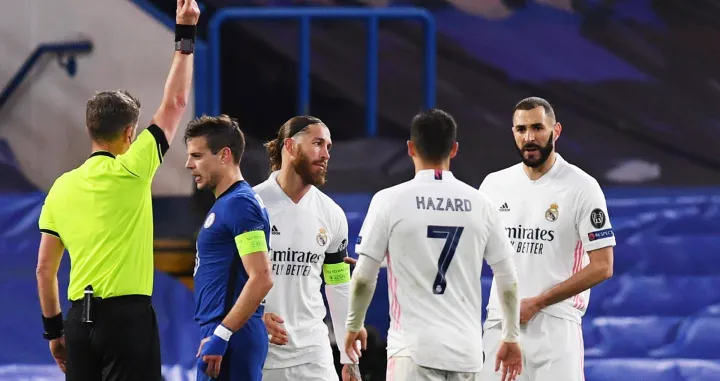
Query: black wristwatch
pixel 185 46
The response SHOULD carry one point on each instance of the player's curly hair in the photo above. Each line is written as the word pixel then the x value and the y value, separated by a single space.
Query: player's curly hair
pixel 291 128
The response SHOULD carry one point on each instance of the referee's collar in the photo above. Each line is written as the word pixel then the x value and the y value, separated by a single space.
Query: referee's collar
pixel 102 153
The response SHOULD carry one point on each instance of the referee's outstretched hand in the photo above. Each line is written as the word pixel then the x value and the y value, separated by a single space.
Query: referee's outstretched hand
pixel 187 12
pixel 57 350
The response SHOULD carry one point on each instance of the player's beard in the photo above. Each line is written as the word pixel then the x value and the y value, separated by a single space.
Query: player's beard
pixel 304 168
pixel 543 151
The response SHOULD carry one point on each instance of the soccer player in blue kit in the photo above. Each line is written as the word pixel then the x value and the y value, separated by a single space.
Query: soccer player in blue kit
pixel 232 267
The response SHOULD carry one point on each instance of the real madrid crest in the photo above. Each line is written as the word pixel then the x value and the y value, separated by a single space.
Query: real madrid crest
pixel 552 213
pixel 322 237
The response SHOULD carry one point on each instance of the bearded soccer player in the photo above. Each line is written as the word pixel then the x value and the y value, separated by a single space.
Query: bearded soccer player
pixel 435 231
pixel 232 270
pixel 556 218
pixel 309 240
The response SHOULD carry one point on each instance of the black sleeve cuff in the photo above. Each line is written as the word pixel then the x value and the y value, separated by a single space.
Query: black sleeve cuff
pixel 51 232
pixel 161 139
pixel 333 258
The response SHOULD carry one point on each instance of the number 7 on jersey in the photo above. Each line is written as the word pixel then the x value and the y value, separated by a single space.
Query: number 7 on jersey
pixel 451 235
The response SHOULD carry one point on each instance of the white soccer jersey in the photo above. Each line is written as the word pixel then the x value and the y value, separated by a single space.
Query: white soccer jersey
pixel 435 231
pixel 552 223
pixel 301 235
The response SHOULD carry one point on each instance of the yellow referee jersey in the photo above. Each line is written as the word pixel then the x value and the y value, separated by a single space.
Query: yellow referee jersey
pixel 102 212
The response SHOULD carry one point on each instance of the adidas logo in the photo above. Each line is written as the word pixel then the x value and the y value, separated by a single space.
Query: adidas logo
pixel 504 207
pixel 274 231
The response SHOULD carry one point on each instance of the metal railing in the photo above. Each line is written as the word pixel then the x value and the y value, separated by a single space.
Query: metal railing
pixel 305 16
pixel 65 51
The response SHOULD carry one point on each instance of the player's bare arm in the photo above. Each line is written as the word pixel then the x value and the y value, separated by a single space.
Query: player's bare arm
pixel 177 87
pixel 256 289
pixel 598 270
pixel 49 257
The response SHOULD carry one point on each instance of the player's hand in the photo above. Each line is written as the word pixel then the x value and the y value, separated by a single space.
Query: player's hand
pixel 351 372
pixel 350 260
pixel 210 355
pixel 57 350
pixel 187 12
pixel 273 323
pixel 529 307
pixel 509 357
pixel 351 347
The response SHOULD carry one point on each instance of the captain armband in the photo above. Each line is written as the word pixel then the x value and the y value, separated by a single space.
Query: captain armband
pixel 336 273
pixel 251 242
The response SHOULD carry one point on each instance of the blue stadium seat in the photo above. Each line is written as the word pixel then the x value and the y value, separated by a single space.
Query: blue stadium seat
pixel 651 370
pixel 630 336
pixel 681 255
pixel 699 370
pixel 659 295
pixel 697 338
pixel 631 369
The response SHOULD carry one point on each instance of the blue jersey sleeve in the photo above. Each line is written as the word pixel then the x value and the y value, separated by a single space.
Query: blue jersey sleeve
pixel 248 222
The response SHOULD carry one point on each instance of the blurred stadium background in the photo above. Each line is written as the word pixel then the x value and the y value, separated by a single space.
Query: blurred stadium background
pixel 636 84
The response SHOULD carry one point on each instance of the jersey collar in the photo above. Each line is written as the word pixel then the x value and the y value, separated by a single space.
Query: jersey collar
pixel 102 153
pixel 549 175
pixel 281 193
pixel 231 188
pixel 434 174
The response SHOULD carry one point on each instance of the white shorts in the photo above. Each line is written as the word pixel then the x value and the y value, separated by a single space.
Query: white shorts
pixel 403 368
pixel 321 370
pixel 553 350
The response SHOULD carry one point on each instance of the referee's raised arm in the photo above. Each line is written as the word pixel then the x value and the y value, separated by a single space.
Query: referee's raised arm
pixel 101 212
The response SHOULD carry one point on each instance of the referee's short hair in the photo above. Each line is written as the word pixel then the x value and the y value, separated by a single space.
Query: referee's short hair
pixel 109 113
pixel 433 132
pixel 220 132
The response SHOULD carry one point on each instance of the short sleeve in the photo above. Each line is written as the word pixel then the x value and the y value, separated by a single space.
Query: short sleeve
pixel 340 235
pixel 498 247
pixel 146 153
pixel 245 218
pixel 46 223
pixel 375 231
pixel 593 221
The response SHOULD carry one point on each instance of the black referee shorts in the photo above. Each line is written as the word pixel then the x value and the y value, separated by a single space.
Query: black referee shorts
pixel 121 344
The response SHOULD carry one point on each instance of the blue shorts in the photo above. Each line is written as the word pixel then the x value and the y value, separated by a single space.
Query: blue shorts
pixel 245 355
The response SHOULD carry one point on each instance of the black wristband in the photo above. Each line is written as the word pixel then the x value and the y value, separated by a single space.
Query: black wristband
pixel 185 32
pixel 53 326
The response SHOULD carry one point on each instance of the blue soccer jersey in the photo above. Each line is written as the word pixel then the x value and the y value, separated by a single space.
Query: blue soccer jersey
pixel 236 225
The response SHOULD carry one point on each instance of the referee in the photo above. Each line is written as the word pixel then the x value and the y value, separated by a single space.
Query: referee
pixel 101 212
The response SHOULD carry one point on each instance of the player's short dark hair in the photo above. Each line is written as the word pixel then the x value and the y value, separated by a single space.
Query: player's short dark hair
pixel 220 132
pixel 288 130
pixel 433 132
pixel 530 103
pixel 109 113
